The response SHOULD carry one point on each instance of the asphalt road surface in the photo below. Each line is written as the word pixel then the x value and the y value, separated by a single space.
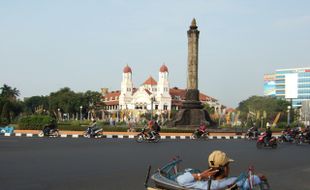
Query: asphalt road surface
pixel 68 163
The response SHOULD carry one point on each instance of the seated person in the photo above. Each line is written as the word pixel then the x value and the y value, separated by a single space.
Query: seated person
pixel 202 129
pixel 48 127
pixel 307 132
pixel 268 135
pixel 92 128
pixel 216 177
pixel 150 129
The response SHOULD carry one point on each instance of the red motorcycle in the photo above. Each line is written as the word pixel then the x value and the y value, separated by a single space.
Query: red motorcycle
pixel 261 142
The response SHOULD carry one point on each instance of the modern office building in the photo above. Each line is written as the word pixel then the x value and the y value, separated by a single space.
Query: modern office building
pixel 270 85
pixel 292 85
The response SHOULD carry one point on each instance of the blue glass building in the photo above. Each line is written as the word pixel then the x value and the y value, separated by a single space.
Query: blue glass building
pixel 303 84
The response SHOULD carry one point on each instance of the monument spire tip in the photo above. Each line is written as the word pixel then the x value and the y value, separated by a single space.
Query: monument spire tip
pixel 193 24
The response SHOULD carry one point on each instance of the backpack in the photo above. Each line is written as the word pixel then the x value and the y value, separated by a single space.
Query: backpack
pixel 156 127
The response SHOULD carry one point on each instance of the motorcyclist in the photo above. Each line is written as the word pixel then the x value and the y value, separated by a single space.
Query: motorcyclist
pixel 92 128
pixel 150 130
pixel 48 127
pixel 253 132
pixel 216 177
pixel 307 132
pixel 268 135
pixel 202 129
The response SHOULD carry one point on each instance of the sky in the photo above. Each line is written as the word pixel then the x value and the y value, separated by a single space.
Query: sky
pixel 84 45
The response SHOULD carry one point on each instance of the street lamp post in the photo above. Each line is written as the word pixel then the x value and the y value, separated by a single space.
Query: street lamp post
pixel 59 116
pixel 288 115
pixel 81 117
pixel 152 101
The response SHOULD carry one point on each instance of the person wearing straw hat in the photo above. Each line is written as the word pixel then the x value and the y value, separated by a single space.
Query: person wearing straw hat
pixel 216 177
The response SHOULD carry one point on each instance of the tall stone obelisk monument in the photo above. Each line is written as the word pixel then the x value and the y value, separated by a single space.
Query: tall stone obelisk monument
pixel 192 93
pixel 192 112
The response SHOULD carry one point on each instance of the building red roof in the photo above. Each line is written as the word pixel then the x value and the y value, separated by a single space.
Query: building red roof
pixel 163 68
pixel 230 110
pixel 150 81
pixel 127 69
pixel 177 93
pixel 111 96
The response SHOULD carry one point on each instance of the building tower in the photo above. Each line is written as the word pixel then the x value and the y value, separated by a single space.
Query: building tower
pixel 163 96
pixel 126 88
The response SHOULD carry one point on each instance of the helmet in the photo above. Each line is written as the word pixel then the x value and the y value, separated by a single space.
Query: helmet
pixel 218 159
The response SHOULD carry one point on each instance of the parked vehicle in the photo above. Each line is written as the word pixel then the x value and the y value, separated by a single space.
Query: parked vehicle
pixel 261 142
pixel 144 136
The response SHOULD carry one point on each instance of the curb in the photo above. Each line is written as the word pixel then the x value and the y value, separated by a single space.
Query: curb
pixel 29 135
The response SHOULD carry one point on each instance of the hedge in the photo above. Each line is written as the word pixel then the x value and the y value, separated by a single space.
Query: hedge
pixel 34 122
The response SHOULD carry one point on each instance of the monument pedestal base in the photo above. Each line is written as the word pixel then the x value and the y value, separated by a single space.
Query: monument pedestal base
pixel 192 112
pixel 191 118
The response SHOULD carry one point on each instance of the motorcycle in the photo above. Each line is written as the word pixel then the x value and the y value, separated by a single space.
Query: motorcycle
pixel 200 134
pixel 47 132
pixel 93 132
pixel 302 137
pixel 261 142
pixel 165 178
pixel 143 136
pixel 251 134
pixel 287 136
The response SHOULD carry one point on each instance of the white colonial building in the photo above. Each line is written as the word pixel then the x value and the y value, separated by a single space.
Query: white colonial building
pixel 153 96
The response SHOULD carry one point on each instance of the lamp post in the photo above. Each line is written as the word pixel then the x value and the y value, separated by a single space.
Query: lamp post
pixel 152 101
pixel 59 116
pixel 81 117
pixel 288 115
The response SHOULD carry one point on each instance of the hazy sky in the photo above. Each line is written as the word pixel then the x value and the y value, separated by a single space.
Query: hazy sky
pixel 84 45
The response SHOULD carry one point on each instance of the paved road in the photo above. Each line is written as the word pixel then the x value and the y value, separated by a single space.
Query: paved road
pixel 68 163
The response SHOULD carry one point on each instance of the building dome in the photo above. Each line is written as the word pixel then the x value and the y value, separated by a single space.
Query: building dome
pixel 163 68
pixel 127 69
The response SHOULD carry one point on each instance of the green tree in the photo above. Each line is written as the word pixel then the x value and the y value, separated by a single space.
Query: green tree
pixel 64 99
pixel 32 103
pixel 8 92
pixel 255 104
pixel 10 107
pixel 69 102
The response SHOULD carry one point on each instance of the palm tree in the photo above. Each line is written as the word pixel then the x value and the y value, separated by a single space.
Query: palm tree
pixel 9 106
pixel 8 92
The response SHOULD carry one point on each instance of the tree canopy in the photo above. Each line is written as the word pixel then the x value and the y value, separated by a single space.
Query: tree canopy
pixel 260 105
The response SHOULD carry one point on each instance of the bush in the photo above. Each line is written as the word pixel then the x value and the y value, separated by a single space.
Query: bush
pixel 4 121
pixel 34 122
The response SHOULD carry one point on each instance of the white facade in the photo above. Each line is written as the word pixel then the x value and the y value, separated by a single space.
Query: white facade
pixel 147 95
